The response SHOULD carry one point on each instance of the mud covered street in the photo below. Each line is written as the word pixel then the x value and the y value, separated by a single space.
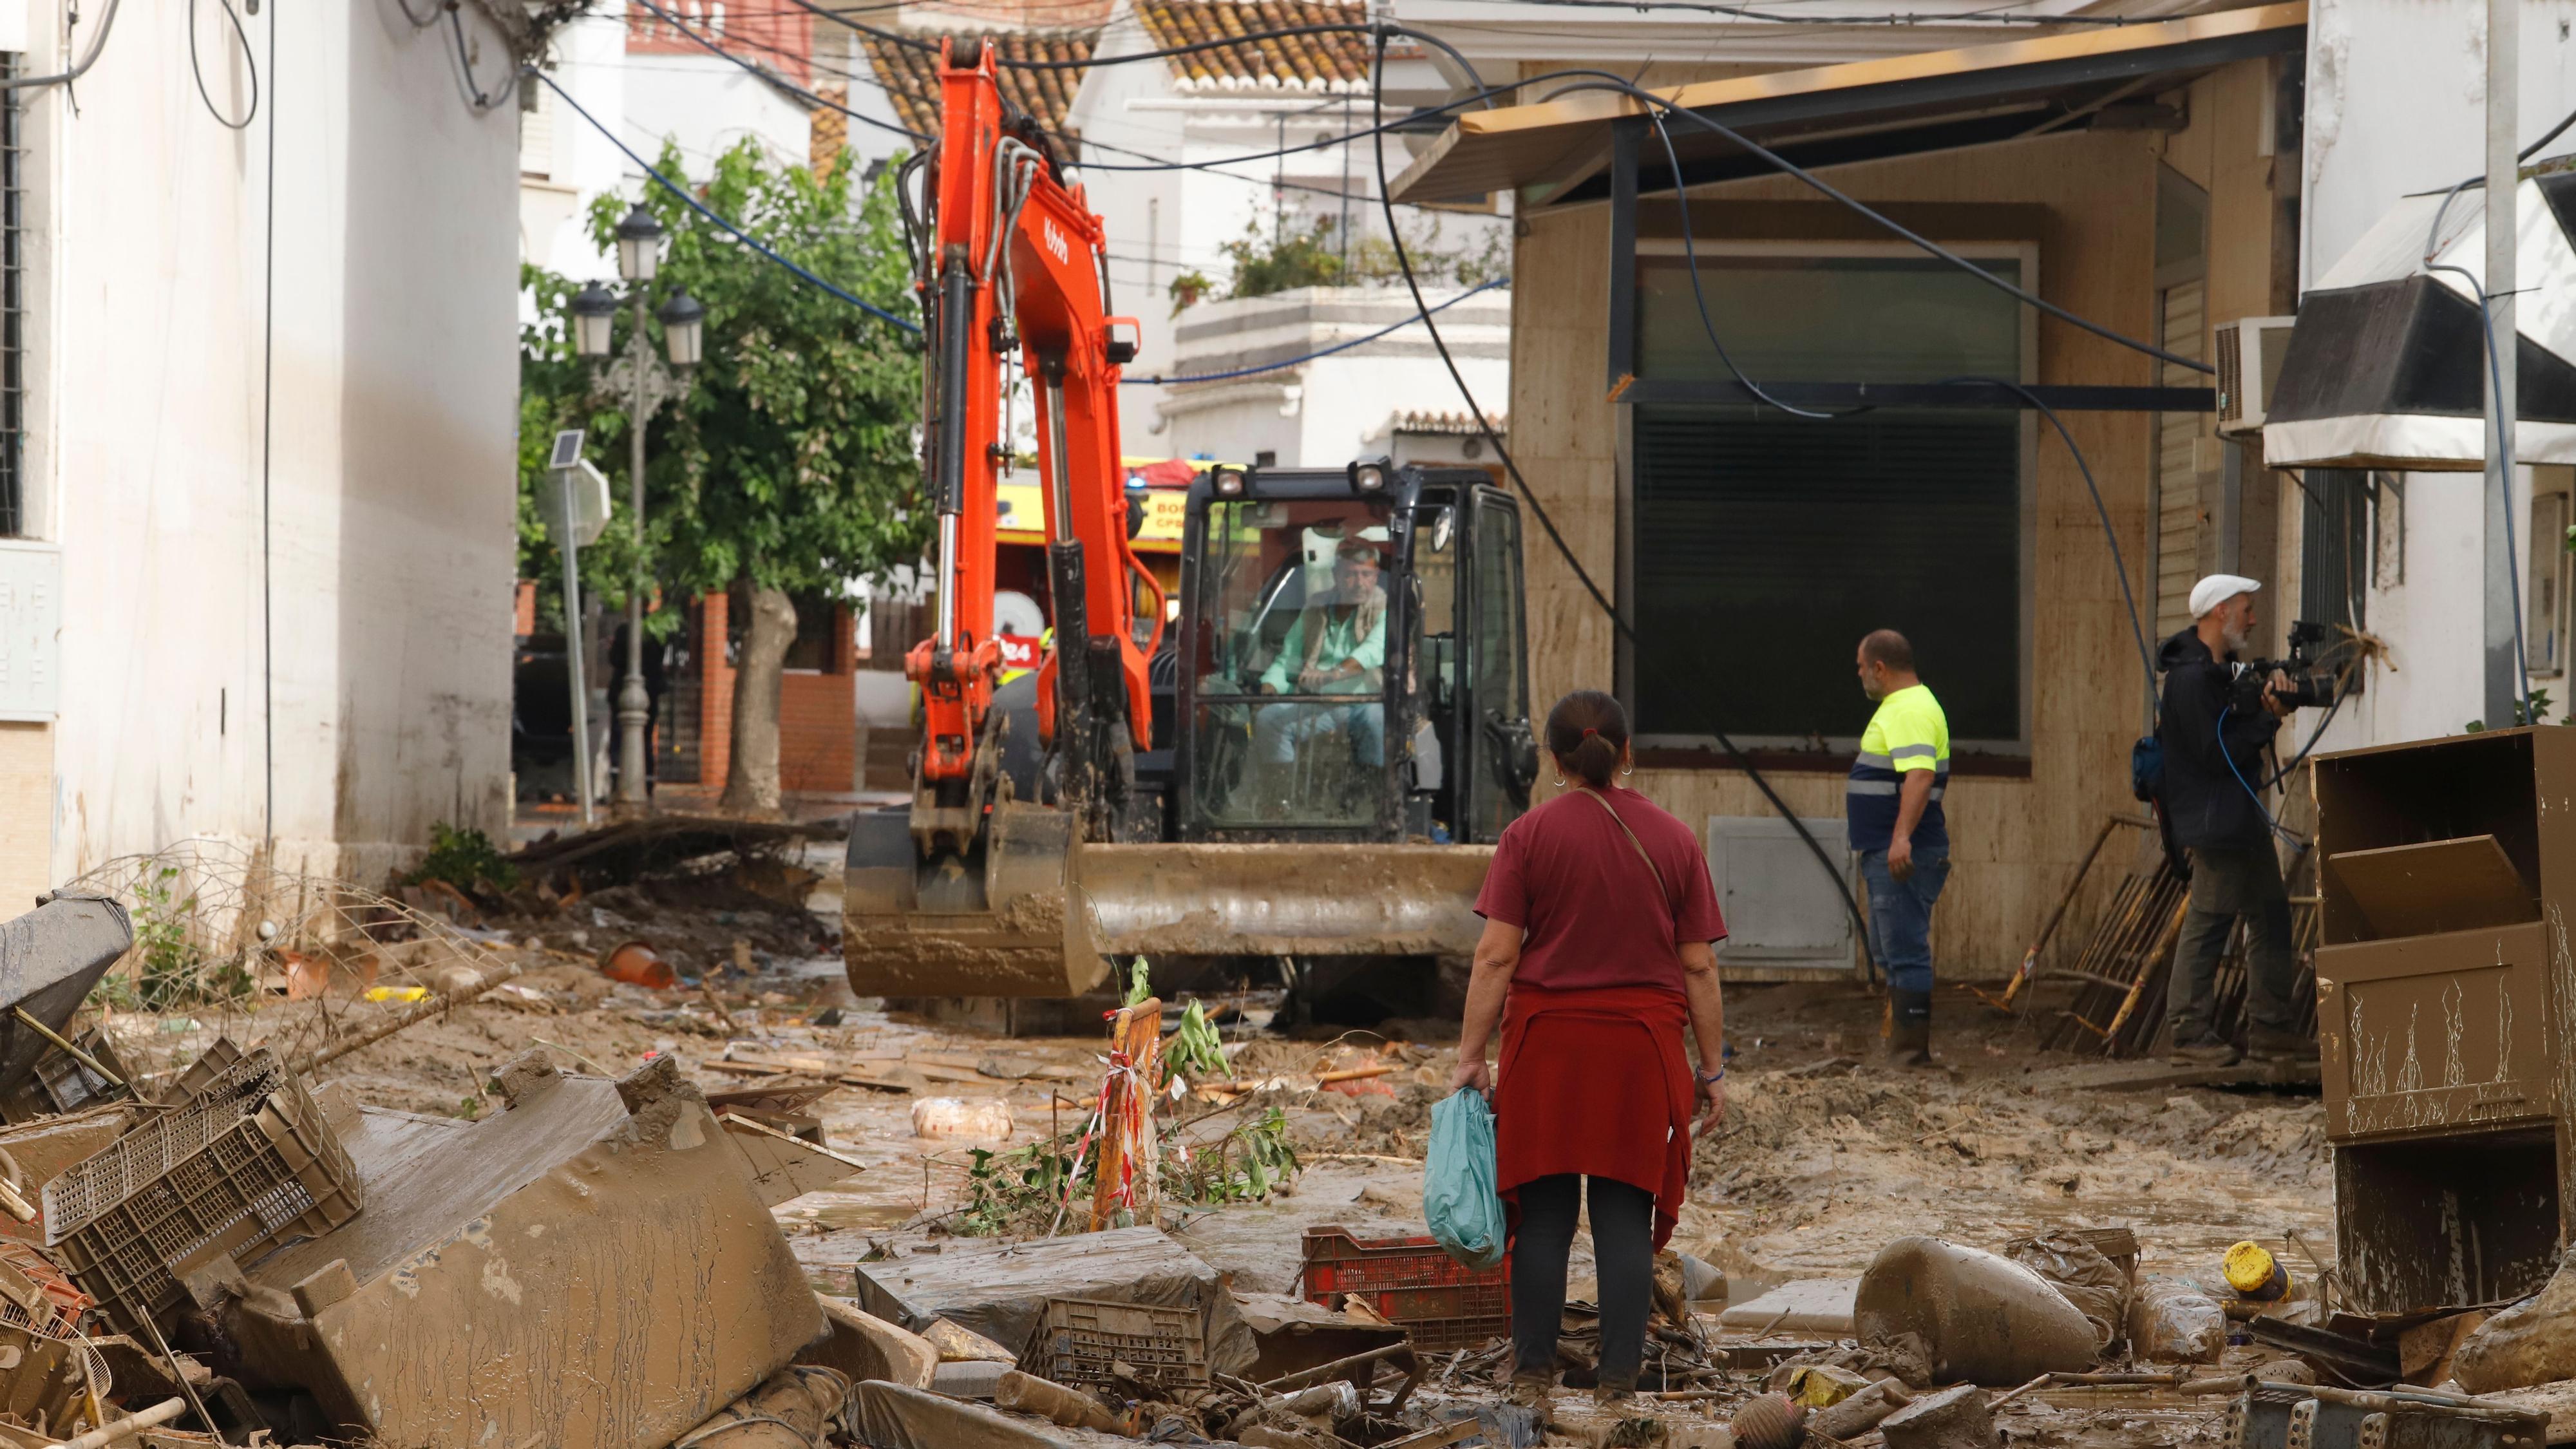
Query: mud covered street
pixel 1826 1155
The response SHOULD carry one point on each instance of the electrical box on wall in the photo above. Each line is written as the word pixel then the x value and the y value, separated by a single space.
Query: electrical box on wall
pixel 1782 912
pixel 2248 351
pixel 31 622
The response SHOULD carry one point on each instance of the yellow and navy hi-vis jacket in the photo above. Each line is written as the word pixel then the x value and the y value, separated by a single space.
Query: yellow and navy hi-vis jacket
pixel 1909 732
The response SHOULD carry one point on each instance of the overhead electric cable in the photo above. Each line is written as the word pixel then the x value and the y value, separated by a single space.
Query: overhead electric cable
pixel 701 208
pixel 97 43
pixel 1420 317
pixel 1565 551
pixel 250 65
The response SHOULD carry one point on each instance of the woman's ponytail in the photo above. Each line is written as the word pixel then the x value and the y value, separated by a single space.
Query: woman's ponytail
pixel 1587 732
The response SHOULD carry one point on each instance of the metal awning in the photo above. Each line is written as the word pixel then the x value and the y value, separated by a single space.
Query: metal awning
pixel 1860 111
pixel 2388 368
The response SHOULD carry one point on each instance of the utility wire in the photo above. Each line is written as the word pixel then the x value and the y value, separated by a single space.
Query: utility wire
pixel 1590 80
pixel 250 64
pixel 1424 316
pixel 1074 143
pixel 780 81
pixel 1699 294
pixel 2119 565
pixel 465 81
pixel 1564 550
pixel 701 208
pixel 267 455
pixel 1624 86
pixel 97 43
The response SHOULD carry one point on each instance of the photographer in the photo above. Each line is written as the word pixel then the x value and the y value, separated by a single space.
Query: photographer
pixel 2213 760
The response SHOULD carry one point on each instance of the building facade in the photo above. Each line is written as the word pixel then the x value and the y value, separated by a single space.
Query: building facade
pixel 257 367
pixel 1748 544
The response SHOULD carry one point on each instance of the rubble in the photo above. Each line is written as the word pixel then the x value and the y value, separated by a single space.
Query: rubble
pixel 862 1346
pixel 558 1249
pixel 1001 1290
pixel 2532 1342
pixel 1968 1313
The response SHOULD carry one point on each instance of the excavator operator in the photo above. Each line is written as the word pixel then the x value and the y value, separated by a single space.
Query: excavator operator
pixel 1336 646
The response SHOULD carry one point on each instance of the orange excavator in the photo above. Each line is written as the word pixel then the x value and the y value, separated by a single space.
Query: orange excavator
pixel 1213 794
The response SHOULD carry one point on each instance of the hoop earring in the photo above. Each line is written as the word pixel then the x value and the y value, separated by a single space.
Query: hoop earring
pixel 1560 782
pixel 1624 774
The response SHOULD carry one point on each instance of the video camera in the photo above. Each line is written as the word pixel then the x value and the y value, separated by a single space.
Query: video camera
pixel 2311 684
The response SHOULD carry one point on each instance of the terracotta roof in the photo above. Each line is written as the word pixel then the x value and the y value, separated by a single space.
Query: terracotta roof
pixel 1311 62
pixel 911 76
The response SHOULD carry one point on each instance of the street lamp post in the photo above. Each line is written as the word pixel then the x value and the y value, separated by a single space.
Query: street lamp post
pixel 645 385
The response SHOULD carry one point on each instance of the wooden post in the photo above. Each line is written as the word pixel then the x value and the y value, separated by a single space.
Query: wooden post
pixel 1127 1146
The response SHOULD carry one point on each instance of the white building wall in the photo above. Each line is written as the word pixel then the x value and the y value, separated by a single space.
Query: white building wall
pixel 575 161
pixel 1327 411
pixel 379 681
pixel 2396 95
pixel 708 105
pixel 1163 223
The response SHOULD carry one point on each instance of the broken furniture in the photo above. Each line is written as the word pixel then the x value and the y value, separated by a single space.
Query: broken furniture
pixel 2302 1416
pixel 1090 1341
pixel 2444 961
pixel 1001 1290
pixel 592 1268
pixel 239 1159
pixel 50 958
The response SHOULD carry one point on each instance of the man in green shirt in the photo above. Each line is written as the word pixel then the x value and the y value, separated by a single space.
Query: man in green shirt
pixel 1336 646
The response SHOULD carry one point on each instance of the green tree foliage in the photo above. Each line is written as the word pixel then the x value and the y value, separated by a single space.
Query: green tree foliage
pixel 790 462
pixel 1279 258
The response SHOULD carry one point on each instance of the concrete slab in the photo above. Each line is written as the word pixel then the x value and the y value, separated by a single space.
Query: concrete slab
pixel 1809 1305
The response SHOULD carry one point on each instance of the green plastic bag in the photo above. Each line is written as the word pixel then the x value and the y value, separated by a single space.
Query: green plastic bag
pixel 1459 1201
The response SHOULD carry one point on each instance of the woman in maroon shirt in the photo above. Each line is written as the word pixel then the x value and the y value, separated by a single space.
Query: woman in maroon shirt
pixel 1599 928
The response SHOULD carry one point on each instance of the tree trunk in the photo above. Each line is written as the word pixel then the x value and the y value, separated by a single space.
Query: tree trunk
pixel 768 628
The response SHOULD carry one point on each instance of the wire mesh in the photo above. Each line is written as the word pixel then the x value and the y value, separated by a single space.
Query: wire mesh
pixel 224 940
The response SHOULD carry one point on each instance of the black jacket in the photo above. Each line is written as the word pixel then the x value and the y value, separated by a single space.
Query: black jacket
pixel 2207 803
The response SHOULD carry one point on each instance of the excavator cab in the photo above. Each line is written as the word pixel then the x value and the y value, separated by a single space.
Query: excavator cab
pixel 1350 658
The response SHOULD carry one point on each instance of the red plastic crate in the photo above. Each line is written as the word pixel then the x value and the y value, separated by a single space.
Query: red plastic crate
pixel 1439 1302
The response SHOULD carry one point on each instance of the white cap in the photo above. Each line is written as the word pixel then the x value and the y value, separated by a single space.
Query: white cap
pixel 2217 589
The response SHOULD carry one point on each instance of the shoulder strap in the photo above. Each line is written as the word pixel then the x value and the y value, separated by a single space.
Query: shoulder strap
pixel 1625 829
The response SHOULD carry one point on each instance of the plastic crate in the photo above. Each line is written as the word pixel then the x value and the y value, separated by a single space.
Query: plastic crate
pixel 1413 1283
pixel 1079 1339
pixel 245 1163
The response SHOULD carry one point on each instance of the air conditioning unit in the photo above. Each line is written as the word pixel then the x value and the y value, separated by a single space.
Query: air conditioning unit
pixel 2249 352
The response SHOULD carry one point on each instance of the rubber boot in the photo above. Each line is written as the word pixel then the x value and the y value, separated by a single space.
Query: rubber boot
pixel 1909 1035
pixel 2265 1044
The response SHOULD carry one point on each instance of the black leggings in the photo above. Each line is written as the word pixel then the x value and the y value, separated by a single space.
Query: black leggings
pixel 1623 1255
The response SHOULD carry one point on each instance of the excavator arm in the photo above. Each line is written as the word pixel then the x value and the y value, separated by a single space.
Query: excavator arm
pixel 1018 281
pixel 971 895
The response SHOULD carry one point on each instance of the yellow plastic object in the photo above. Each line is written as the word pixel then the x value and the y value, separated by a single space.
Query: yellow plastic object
pixel 2254 1273
pixel 397 993
pixel 1821 1386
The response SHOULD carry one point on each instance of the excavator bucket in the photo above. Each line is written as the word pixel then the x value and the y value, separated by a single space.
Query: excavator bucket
pixel 1285 899
pixel 1003 923
pixel 1038 915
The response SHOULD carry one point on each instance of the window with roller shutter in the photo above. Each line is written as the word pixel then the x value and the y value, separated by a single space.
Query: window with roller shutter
pixel 1764 545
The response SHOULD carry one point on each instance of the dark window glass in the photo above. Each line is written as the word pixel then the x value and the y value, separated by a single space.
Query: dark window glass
pixel 1767 545
pixel 2334 548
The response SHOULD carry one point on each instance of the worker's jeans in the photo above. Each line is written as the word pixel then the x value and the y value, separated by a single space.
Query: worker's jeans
pixel 2228 882
pixel 1623 1260
pixel 1278 729
pixel 1900 915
